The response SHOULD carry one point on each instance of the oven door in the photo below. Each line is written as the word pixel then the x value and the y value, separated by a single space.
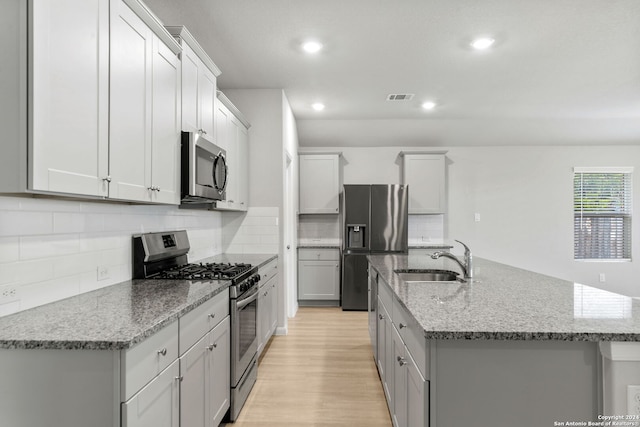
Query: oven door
pixel 204 169
pixel 244 336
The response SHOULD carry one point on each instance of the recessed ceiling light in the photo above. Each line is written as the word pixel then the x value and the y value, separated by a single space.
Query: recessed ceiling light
pixel 312 46
pixel 428 105
pixel 318 106
pixel 482 43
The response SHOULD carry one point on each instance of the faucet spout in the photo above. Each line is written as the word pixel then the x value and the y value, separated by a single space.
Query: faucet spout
pixel 466 266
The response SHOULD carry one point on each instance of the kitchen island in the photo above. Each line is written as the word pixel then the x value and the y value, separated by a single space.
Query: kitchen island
pixel 508 347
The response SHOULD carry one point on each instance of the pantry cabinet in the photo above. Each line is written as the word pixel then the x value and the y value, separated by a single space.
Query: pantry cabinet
pixel 232 135
pixel 424 173
pixel 199 85
pixel 318 276
pixel 319 183
pixel 92 105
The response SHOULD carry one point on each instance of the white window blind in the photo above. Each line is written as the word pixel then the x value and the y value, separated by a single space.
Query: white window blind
pixel 602 213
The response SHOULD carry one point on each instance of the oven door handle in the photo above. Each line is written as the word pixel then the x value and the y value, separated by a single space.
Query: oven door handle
pixel 248 300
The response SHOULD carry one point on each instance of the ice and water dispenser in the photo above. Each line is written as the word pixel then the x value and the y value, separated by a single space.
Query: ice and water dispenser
pixel 356 236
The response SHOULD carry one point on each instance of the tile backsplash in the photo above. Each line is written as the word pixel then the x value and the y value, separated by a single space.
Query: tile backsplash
pixel 426 229
pixel 52 249
pixel 256 231
pixel 319 227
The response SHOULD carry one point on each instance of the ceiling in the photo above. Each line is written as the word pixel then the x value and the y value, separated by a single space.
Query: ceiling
pixel 561 72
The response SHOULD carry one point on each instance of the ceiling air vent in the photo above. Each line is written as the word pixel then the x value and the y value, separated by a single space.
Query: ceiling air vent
pixel 400 96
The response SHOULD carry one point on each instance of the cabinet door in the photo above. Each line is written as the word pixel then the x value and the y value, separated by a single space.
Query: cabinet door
pixel 399 406
pixel 190 100
pixel 385 350
pixel 425 176
pixel 273 307
pixel 157 404
pixel 319 280
pixel 220 372
pixel 207 100
pixel 166 126
pixel 319 183
pixel 417 395
pixel 194 367
pixel 69 96
pixel 131 104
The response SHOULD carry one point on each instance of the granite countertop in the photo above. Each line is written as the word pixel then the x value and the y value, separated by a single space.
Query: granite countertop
pixel 319 243
pixel 115 317
pixel 507 303
pixel 430 246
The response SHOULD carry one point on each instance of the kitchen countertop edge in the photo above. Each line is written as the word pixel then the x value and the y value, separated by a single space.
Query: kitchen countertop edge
pixel 48 313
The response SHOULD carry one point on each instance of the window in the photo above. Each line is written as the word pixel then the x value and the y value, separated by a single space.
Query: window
pixel 602 213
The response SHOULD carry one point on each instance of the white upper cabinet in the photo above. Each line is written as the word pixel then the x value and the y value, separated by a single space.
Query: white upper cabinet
pixel 425 176
pixel 92 105
pixel 144 94
pixel 68 97
pixel 319 183
pixel 232 136
pixel 199 75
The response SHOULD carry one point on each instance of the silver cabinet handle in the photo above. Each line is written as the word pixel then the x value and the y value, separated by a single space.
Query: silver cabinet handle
pixel 180 378
pixel 401 361
pixel 158 188
pixel 380 316
pixel 202 131
pixel 107 178
pixel 152 188
pixel 402 326
pixel 162 352
pixel 211 315
pixel 210 347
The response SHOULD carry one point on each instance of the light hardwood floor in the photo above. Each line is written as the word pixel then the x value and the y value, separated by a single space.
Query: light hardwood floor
pixel 321 374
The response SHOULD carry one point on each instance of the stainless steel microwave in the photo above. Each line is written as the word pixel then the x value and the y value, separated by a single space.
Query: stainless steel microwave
pixel 204 169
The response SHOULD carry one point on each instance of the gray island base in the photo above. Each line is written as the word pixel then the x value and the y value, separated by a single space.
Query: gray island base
pixel 508 347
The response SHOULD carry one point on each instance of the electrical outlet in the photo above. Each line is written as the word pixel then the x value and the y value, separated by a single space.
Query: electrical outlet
pixel 633 399
pixel 8 293
pixel 476 217
pixel 103 272
pixel 602 278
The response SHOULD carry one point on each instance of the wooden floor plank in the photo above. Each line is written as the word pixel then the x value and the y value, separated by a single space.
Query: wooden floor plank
pixel 321 374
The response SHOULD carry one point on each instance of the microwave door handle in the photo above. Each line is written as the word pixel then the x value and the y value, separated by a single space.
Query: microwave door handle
pixel 216 185
pixel 248 300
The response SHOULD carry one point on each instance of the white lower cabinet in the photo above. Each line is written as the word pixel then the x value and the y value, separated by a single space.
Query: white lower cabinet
pixel 205 385
pixel 157 404
pixel 155 383
pixel 267 304
pixel 401 362
pixel 318 276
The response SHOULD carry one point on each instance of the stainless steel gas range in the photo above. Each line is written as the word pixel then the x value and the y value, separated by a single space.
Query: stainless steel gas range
pixel 164 256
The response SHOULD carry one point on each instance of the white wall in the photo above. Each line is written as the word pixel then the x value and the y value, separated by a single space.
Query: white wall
pixel 524 196
pixel 50 249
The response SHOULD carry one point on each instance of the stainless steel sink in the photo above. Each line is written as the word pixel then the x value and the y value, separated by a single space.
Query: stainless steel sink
pixel 416 275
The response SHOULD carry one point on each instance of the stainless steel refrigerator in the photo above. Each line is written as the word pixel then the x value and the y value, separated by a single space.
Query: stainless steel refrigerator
pixel 374 221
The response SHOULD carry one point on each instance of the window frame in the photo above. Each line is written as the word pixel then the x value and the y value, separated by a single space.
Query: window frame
pixel 627 213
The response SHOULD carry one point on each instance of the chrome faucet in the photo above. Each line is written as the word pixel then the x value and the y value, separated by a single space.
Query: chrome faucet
pixel 467 266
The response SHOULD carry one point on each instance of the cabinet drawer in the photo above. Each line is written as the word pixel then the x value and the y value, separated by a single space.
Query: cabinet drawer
pixel 319 254
pixel 267 272
pixel 202 319
pixel 384 293
pixel 140 364
pixel 413 336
